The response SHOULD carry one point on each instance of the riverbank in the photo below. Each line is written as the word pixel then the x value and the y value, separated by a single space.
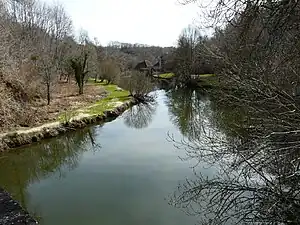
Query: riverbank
pixel 11 212
pixel 207 81
pixel 109 169
pixel 112 105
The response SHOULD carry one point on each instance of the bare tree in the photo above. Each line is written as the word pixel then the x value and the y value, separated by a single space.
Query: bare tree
pixel 56 27
pixel 79 65
pixel 138 84
pixel 189 55
pixel 256 49
pixel 251 181
pixel 61 30
pixel 48 70
pixel 79 61
pixel 98 59
pixel 110 71
pixel 67 47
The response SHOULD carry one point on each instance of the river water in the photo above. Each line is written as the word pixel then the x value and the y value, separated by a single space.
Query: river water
pixel 121 172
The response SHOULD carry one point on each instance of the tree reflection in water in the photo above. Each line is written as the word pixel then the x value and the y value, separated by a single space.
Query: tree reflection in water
pixel 258 177
pixel 141 115
pixel 185 108
pixel 19 168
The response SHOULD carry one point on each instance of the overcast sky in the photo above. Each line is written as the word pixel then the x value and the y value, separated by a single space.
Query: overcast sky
pixel 153 22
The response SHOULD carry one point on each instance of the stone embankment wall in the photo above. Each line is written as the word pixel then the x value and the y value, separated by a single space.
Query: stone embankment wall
pixel 24 137
pixel 11 213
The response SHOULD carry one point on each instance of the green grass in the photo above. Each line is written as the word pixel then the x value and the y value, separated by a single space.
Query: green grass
pixel 99 107
pixel 113 92
pixel 167 75
pixel 207 75
pixel 208 80
pixel 108 103
pixel 170 75
pixel 66 116
pixel 205 80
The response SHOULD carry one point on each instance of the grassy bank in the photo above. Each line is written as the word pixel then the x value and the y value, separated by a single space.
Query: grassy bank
pixel 115 96
pixel 114 102
pixel 166 75
pixel 203 80
pixel 208 81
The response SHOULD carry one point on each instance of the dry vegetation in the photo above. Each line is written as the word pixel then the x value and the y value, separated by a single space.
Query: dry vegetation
pixel 65 97
pixel 255 53
pixel 41 62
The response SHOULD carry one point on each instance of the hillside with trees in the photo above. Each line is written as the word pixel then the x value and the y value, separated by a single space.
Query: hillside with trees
pixel 43 61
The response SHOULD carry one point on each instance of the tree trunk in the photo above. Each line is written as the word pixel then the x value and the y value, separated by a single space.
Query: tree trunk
pixel 48 93
pixel 81 90
pixel 81 87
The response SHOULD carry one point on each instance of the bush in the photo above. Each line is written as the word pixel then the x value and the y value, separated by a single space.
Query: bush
pixel 110 71
pixel 137 83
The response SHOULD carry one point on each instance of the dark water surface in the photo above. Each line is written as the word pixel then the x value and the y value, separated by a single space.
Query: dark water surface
pixel 122 172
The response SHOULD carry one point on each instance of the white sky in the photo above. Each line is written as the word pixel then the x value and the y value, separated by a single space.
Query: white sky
pixel 152 22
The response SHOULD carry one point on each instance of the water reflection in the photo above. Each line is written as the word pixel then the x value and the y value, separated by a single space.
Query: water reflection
pixel 141 115
pixel 258 178
pixel 130 177
pixel 186 107
pixel 20 168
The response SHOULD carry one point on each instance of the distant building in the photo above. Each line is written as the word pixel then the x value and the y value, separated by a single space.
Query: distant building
pixel 164 64
pixel 158 65
pixel 145 65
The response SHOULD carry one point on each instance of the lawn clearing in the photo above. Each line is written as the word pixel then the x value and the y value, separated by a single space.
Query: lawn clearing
pixel 115 97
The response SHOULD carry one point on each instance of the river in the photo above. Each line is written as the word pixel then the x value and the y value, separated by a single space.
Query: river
pixel 120 172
